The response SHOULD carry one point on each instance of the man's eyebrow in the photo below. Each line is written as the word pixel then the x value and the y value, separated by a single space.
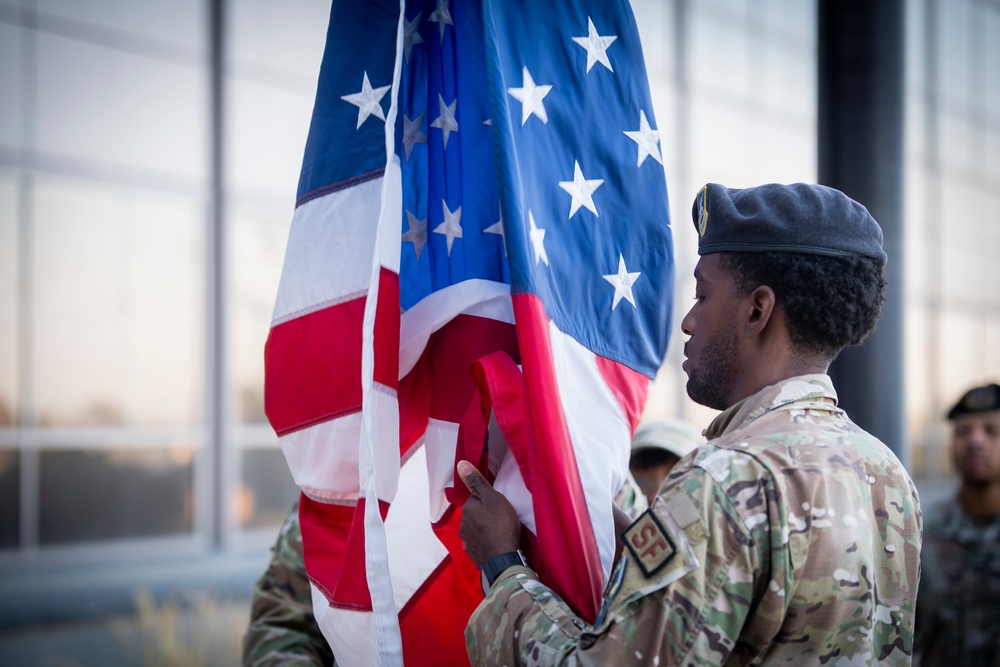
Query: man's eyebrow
pixel 698 275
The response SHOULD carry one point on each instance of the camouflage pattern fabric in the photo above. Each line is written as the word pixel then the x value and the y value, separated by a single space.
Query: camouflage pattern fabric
pixel 282 631
pixel 791 537
pixel 630 499
pixel 958 615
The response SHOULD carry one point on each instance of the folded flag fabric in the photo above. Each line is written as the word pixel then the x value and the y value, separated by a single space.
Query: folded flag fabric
pixel 481 236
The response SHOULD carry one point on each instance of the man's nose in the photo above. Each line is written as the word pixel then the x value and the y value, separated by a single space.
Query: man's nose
pixel 687 324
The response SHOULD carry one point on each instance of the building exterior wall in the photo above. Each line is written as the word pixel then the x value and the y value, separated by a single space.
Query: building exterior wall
pixel 106 225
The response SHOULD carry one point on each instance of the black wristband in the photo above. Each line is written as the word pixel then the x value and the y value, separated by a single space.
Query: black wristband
pixel 492 568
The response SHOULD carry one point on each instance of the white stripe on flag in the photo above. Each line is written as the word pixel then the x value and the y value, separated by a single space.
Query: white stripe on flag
pixel 483 298
pixel 600 433
pixel 330 247
pixel 380 416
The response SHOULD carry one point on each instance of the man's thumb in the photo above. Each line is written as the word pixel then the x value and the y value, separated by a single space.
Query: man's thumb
pixel 473 480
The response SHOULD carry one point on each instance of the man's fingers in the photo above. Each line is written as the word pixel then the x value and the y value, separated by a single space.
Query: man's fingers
pixel 473 480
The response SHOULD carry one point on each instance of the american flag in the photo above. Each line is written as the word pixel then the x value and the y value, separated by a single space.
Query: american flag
pixel 481 235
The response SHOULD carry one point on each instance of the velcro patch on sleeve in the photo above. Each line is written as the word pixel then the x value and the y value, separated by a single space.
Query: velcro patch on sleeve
pixel 649 543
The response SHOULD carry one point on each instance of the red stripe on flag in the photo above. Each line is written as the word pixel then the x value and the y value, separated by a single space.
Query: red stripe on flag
pixel 565 531
pixel 386 332
pixel 312 367
pixel 312 363
pixel 433 622
pixel 440 385
pixel 629 387
pixel 333 548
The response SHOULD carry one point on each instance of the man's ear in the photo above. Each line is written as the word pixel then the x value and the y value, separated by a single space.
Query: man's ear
pixel 761 302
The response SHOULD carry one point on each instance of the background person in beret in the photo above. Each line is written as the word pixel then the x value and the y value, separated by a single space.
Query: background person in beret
pixel 958 615
pixel 791 536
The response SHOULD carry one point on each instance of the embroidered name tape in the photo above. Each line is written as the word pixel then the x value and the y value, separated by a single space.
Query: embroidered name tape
pixel 649 543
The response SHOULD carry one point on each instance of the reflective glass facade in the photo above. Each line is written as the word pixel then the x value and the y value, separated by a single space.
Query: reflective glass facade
pixel 135 285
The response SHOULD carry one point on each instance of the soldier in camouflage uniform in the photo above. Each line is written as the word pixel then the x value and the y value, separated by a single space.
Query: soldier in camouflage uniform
pixel 958 619
pixel 282 631
pixel 792 536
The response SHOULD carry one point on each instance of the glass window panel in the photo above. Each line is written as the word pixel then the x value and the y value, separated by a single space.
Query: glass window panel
pixel 789 79
pixel 267 489
pixel 655 20
pixel 10 498
pixel 915 44
pixel 277 34
pixel 257 239
pixel 991 139
pixel 794 17
pixel 920 394
pixel 960 353
pixel 955 140
pixel 972 214
pixel 182 22
pixel 992 347
pixel 10 84
pixel 9 282
pixel 968 276
pixel 104 105
pixel 718 144
pixel 790 149
pixel 101 495
pixel 727 8
pixel 990 94
pixel 728 142
pixel 118 311
pixel 718 55
pixel 914 126
pixel 266 138
pixel 918 247
pixel 953 22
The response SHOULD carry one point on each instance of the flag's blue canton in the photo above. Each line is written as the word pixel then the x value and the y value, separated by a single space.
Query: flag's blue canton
pixel 447 172
pixel 337 151
pixel 588 114
pixel 582 192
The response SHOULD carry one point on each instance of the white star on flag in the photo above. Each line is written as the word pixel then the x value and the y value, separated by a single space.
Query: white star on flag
pixel 530 96
pixel 451 227
pixel 416 234
pixel 537 237
pixel 411 36
pixel 596 46
pixel 446 121
pixel 581 190
pixel 367 101
pixel 412 134
pixel 622 282
pixel 441 16
pixel 648 140
pixel 497 228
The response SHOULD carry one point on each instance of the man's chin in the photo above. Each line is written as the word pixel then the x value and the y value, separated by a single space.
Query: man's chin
pixel 695 394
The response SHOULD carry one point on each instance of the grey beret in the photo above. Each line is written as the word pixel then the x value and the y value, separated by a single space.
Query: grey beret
pixel 672 435
pixel 800 218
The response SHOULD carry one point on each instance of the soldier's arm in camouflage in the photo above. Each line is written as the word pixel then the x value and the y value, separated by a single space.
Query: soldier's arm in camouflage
pixel 282 630
pixel 692 607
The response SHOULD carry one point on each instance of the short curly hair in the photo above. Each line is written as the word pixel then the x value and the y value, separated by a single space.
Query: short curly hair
pixel 830 302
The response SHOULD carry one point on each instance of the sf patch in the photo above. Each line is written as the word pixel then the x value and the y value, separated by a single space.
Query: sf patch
pixel 649 543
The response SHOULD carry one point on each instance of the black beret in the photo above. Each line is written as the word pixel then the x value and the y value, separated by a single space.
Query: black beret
pixel 800 218
pixel 978 399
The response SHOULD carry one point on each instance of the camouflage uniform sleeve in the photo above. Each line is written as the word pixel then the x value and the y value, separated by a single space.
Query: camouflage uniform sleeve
pixel 282 630
pixel 680 593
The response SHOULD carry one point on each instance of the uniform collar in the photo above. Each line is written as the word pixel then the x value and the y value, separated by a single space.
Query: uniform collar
pixel 804 391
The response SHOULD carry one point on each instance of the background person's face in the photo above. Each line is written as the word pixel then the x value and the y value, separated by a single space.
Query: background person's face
pixel 651 478
pixel 713 348
pixel 975 447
